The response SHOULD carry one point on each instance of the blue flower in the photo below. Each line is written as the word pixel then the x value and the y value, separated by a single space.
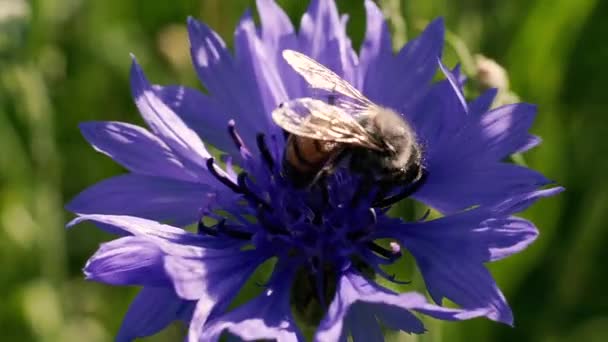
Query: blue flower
pixel 324 243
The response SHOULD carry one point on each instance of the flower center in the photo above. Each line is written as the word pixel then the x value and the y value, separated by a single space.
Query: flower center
pixel 327 226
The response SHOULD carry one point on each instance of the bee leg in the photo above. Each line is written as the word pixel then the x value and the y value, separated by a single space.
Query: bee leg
pixel 408 191
pixel 265 152
pixel 330 165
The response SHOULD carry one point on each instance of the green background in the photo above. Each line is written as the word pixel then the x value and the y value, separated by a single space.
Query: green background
pixel 66 61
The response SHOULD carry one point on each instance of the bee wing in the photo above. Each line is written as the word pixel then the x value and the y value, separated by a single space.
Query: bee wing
pixel 315 119
pixel 320 77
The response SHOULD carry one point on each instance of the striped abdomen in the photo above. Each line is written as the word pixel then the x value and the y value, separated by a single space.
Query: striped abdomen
pixel 305 157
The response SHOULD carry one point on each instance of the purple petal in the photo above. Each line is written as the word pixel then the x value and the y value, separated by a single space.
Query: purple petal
pixel 171 240
pixel 466 282
pixel 253 60
pixel 483 102
pixel 219 73
pixel 363 325
pixel 433 119
pixel 211 273
pixel 505 130
pixel 128 261
pixel 440 115
pixel 376 51
pixel 353 289
pixel 489 136
pixel 508 236
pixel 522 201
pixel 472 181
pixel 266 317
pixel 402 85
pixel 213 280
pixel 451 251
pixel 396 318
pixel 151 311
pixel 278 34
pixel 135 148
pixel 200 112
pixel 323 37
pixel 166 124
pixel 455 84
pixel 150 197
pixel 277 30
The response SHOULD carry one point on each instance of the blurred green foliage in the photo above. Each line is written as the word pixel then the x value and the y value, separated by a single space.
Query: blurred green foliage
pixel 66 61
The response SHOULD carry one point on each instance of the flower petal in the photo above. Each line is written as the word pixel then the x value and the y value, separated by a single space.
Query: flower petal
pixel 253 59
pixel 213 280
pixel 504 130
pixel 483 102
pixel 211 273
pixel 508 236
pixel 376 51
pixel 166 124
pixel 455 276
pixel 401 85
pixel 150 197
pixel 277 31
pixel 128 261
pixel 354 290
pixel 171 240
pixel 219 73
pixel 363 325
pixel 266 317
pixel 323 37
pixel 451 251
pixel 151 311
pixel 278 34
pixel 452 79
pixel 135 148
pixel 201 113
pixel 472 182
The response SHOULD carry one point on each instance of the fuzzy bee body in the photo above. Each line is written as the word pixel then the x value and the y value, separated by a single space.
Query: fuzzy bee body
pixel 379 143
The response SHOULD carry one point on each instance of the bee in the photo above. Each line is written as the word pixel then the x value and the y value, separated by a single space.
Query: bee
pixel 380 144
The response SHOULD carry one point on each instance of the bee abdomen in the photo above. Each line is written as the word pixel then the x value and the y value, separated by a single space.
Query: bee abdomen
pixel 306 154
pixel 304 157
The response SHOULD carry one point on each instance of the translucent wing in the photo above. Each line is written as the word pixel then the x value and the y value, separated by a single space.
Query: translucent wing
pixel 315 119
pixel 320 77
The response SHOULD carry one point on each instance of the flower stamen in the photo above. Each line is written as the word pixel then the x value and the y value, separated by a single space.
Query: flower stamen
pixel 223 179
pixel 390 255
pixel 236 138
pixel 245 190
pixel 234 233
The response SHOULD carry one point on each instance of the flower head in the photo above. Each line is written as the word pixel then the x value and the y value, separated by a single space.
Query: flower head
pixel 324 239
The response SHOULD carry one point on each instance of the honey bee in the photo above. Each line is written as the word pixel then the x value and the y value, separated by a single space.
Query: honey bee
pixel 379 143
